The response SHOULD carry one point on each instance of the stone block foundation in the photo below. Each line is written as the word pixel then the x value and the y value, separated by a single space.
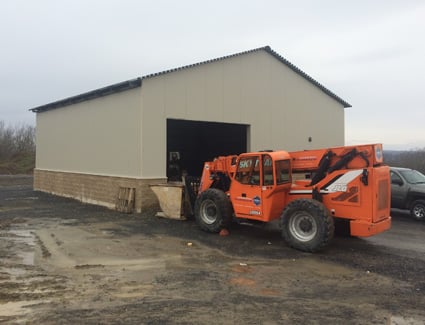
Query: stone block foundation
pixel 95 189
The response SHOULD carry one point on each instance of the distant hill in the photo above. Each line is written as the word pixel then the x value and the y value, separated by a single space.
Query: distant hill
pixel 414 159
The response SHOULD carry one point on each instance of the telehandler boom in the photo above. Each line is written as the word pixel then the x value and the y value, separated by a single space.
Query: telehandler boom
pixel 308 190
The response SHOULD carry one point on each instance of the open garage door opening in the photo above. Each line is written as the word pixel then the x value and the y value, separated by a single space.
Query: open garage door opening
pixel 191 143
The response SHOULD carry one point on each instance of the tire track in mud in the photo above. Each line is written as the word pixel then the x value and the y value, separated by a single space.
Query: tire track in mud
pixel 24 286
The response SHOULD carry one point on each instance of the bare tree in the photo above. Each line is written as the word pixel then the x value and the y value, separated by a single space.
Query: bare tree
pixel 25 139
pixel 16 140
pixel 6 141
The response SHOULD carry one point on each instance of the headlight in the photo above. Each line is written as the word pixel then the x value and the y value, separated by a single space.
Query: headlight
pixel 379 158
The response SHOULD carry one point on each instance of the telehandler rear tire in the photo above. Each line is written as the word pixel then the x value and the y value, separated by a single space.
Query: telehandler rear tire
pixel 213 210
pixel 307 225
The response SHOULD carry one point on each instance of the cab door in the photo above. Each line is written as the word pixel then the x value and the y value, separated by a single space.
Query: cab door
pixel 399 190
pixel 246 190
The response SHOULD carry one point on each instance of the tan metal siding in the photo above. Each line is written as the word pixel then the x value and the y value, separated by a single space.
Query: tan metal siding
pixel 100 136
pixel 282 108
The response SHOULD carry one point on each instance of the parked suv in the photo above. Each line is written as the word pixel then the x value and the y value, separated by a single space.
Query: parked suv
pixel 408 191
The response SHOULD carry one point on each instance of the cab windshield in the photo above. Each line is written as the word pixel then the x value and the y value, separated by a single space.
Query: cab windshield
pixel 413 176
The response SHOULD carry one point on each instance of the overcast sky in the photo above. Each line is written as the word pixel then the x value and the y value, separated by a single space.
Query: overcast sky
pixel 371 53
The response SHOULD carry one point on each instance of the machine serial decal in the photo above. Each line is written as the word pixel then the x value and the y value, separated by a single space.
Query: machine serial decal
pixel 307 158
pixel 351 195
pixel 341 184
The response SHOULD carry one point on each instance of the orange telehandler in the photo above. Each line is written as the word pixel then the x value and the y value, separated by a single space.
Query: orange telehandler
pixel 308 190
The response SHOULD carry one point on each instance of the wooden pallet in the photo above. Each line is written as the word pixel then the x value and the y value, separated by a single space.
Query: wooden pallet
pixel 125 200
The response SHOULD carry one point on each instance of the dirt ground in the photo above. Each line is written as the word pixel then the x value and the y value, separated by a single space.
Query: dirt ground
pixel 70 263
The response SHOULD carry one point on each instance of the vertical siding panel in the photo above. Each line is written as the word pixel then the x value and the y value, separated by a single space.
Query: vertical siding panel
pixel 195 94
pixel 175 95
pixel 232 89
pixel 154 127
pixel 214 92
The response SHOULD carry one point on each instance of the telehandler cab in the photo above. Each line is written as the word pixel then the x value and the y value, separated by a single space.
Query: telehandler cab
pixel 308 191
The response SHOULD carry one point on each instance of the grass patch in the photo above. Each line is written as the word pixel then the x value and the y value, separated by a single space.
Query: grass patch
pixel 22 163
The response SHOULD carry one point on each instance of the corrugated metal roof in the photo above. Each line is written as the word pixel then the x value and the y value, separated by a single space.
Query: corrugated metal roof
pixel 134 83
pixel 116 88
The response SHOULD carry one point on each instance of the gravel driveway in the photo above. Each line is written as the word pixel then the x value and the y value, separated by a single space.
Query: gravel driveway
pixel 66 262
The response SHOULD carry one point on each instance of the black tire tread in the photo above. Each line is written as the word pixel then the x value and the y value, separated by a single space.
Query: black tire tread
pixel 326 227
pixel 223 206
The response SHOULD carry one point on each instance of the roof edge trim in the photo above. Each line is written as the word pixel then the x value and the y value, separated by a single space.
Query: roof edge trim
pixel 306 76
pixel 108 90
pixel 137 82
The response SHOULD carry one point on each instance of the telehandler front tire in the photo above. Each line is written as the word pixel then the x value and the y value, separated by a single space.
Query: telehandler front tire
pixel 213 210
pixel 307 225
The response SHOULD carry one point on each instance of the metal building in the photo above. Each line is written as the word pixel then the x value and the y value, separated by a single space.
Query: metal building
pixel 124 135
